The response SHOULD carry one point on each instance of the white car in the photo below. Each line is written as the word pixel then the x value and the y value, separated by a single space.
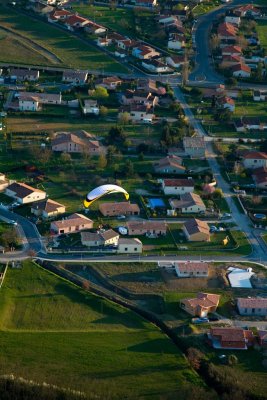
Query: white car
pixel 122 230
pixel 121 217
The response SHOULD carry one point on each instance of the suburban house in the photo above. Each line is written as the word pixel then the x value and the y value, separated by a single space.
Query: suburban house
pixel 262 338
pixel 144 52
pixel 129 246
pixel 252 306
pixel 194 146
pixel 137 113
pixel 196 230
pixel 191 269
pixel 31 101
pixel 22 75
pixel 231 60
pixel 23 193
pixel 241 70
pixel 47 208
pixel 226 103
pixel 231 51
pixel 201 305
pixel 227 32
pixel 230 338
pixel 90 107
pixel 4 183
pixel 73 22
pixel 176 41
pixel 177 186
pixel 146 228
pixel 260 95
pixel 147 85
pixel 95 29
pixel 110 82
pixel 140 97
pixel 170 165
pixel 146 3
pixel 155 65
pixel 259 176
pixel 232 18
pixel 254 159
pixel 248 10
pixel 75 77
pixel 100 238
pixel 103 41
pixel 249 123
pixel 115 209
pixel 58 15
pixel 73 143
pixel 189 203
pixel 74 223
pixel 176 61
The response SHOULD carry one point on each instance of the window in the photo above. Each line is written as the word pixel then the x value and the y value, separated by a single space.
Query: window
pixel 135 249
pixel 125 248
pixel 253 310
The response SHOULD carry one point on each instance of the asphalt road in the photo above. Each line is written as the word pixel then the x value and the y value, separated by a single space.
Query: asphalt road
pixel 33 242
pixel 204 70
pixel 259 248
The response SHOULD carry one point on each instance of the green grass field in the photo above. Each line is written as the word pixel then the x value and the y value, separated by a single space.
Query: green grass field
pixel 13 50
pixel 71 52
pixel 121 20
pixel 262 31
pixel 205 7
pixel 52 331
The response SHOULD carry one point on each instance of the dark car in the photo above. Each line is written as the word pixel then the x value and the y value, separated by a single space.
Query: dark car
pixel 214 318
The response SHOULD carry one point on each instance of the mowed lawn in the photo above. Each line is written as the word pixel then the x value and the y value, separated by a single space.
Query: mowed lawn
pixel 120 20
pixel 262 32
pixel 54 332
pixel 71 51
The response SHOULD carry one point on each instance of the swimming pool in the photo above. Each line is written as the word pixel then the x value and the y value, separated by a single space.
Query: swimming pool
pixel 156 203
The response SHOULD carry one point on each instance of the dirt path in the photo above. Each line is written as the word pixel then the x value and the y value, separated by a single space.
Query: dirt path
pixel 26 42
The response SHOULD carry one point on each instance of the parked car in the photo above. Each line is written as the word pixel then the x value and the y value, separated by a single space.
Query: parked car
pixel 200 320
pixel 213 228
pixel 121 217
pixel 226 216
pixel 213 318
pixel 122 230
pixel 13 222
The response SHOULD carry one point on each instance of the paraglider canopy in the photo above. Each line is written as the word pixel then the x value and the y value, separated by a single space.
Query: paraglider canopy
pixel 103 190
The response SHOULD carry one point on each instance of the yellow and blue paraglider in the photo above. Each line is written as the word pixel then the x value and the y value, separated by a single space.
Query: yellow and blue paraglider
pixel 101 191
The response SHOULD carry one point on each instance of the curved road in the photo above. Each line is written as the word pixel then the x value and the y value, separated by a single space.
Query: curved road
pixel 35 244
pixel 242 221
pixel 204 70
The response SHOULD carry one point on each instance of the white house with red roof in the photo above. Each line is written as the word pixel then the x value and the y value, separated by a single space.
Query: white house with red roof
pixel 252 306
pixel 255 159
pixel 226 103
pixel 58 15
pixel 241 71
pixel 227 31
pixel 192 269
pixel 177 186
pixel 75 22
pixel 248 10
pixel 231 51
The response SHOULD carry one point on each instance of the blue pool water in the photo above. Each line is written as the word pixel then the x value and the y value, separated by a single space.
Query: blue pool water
pixel 156 203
